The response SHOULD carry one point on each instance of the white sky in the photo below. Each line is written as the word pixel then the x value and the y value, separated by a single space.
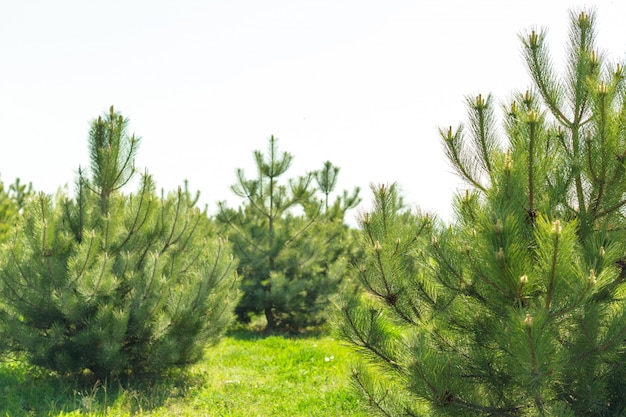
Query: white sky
pixel 364 84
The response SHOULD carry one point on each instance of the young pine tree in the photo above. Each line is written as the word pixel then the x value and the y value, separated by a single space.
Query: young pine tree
pixel 115 283
pixel 292 249
pixel 517 308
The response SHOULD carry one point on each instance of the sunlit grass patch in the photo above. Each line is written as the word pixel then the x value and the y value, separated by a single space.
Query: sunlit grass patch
pixel 244 375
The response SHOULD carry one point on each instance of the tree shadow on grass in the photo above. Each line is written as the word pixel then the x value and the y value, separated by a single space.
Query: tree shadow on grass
pixel 252 335
pixel 29 390
pixel 256 330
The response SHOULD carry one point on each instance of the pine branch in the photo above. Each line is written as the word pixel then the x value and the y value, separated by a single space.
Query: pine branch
pixel 611 209
pixel 216 262
pixel 88 256
pixel 138 224
pixel 533 357
pixel 389 296
pixel 363 342
pixel 169 239
pixel 490 411
pixel 373 402
pixel 485 142
pixel 99 280
pixel 8 281
pixel 47 253
pixel 452 147
pixel 482 276
pixel 448 266
pixel 578 301
pixel 556 229
pixel 540 67
pixel 617 338
pixel 300 232
pixel 532 122
pixel 191 233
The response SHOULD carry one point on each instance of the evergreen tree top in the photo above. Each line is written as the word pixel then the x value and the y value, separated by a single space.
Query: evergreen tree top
pixel 112 153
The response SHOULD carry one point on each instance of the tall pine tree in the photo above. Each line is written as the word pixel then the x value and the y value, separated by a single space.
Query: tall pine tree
pixel 115 283
pixel 517 308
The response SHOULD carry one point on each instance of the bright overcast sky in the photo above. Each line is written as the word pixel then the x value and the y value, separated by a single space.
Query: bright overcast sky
pixel 364 84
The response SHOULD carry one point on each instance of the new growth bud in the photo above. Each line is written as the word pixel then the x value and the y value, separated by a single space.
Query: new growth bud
pixel 533 40
pixel 479 102
pixel 498 227
pixel 602 88
pixel 583 19
pixel 377 246
pixel 594 59
pixel 532 116
pixel 556 227
pixel 500 255
pixel 528 98
pixel 528 321
pixel 592 279
pixel 450 135
pixel 508 161
pixel 523 279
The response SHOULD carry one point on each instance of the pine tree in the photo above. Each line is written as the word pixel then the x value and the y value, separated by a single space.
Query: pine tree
pixel 517 307
pixel 114 283
pixel 292 253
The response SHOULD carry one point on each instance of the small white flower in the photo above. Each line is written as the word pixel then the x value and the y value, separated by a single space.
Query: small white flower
pixel 329 358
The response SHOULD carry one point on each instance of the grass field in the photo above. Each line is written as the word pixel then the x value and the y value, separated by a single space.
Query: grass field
pixel 245 375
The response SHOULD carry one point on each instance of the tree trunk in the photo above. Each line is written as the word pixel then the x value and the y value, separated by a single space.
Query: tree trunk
pixel 271 319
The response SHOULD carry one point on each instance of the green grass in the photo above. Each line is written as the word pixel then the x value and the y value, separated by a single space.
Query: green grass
pixel 244 375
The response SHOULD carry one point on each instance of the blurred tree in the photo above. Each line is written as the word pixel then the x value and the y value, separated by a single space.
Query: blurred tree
pixel 292 254
pixel 11 204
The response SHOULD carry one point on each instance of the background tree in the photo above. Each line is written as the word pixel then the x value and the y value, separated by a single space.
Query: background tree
pixel 115 283
pixel 12 202
pixel 292 254
pixel 517 308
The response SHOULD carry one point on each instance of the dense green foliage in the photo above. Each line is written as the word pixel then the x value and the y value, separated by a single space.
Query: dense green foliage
pixel 517 308
pixel 293 248
pixel 241 376
pixel 113 283
pixel 12 201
